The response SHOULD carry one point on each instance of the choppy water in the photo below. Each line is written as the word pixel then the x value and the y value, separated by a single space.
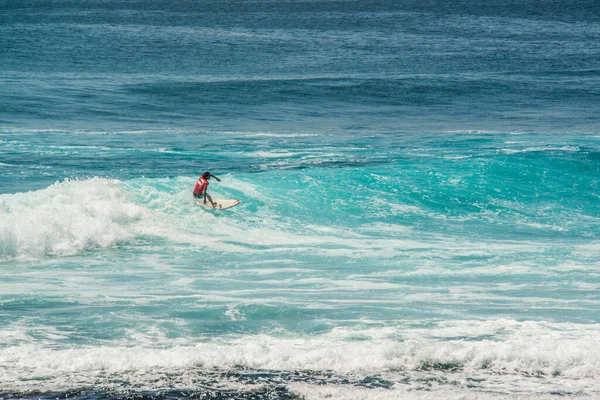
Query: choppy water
pixel 419 185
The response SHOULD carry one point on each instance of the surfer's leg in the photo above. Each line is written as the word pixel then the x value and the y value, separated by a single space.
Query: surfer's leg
pixel 210 200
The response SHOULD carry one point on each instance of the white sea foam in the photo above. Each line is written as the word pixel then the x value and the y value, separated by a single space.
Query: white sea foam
pixel 544 226
pixel 540 149
pixel 406 392
pixel 269 134
pixel 380 227
pixel 66 218
pixel 272 154
pixel 474 132
pixel 80 147
pixel 515 352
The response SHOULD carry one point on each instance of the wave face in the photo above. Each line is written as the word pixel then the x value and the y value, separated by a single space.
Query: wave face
pixel 419 186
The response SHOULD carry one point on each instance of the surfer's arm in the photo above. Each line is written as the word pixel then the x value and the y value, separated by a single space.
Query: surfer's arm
pixel 218 180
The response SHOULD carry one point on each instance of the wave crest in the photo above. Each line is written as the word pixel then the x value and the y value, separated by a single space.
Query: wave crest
pixel 66 218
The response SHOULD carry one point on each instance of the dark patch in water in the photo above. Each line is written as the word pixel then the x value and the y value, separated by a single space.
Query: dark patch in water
pixel 273 386
pixel 265 393
pixel 429 366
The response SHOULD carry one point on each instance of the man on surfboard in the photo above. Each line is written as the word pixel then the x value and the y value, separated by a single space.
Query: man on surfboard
pixel 202 185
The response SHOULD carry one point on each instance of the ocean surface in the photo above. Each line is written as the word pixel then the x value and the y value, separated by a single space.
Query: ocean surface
pixel 420 213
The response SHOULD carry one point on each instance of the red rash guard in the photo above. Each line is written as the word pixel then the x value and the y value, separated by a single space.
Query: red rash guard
pixel 201 186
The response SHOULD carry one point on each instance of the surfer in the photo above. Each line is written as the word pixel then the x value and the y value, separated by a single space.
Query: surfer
pixel 202 185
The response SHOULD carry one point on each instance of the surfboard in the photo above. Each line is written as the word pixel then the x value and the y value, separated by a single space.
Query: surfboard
pixel 220 204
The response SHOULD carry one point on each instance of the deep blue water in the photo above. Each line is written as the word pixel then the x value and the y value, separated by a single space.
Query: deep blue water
pixel 419 185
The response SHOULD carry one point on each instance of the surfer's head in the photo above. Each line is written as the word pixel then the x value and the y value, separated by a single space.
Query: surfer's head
pixel 206 175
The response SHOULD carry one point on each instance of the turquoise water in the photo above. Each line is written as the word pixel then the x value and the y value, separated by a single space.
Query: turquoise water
pixel 419 189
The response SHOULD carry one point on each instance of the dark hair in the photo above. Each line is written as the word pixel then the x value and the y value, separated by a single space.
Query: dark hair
pixel 206 175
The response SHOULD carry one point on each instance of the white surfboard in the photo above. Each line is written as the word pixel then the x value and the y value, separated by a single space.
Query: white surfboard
pixel 219 204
